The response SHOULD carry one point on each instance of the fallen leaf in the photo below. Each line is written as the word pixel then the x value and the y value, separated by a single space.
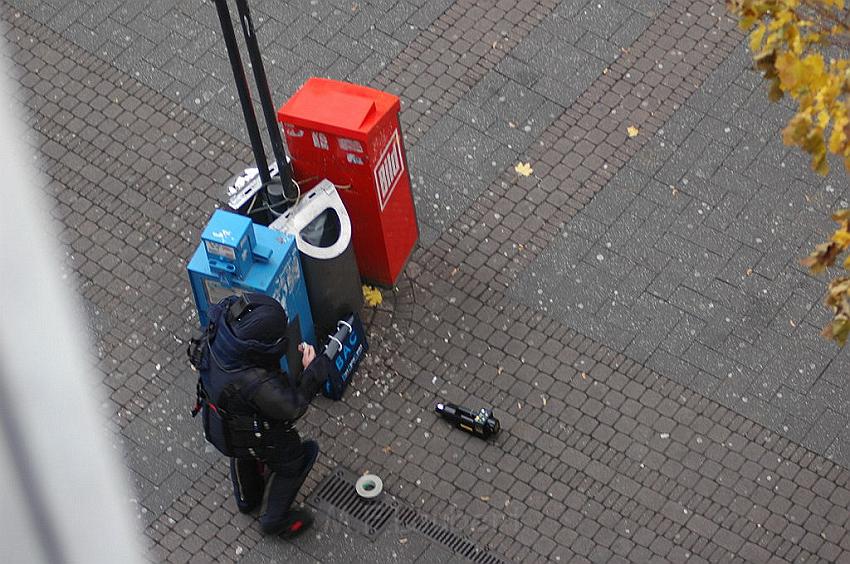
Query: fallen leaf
pixel 523 169
pixel 749 272
pixel 544 399
pixel 674 190
pixel 791 321
pixel 632 131
pixel 584 375
pixel 372 296
pixel 485 498
pixel 402 541
pixel 387 449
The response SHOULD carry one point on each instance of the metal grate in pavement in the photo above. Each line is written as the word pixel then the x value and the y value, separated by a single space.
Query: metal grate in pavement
pixel 411 519
pixel 336 496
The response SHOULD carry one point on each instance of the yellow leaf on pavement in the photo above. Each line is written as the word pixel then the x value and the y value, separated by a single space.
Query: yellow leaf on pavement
pixel 841 237
pixel 523 169
pixel 372 296
pixel 632 131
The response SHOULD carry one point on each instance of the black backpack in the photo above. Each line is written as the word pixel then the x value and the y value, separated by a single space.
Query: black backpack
pixel 234 435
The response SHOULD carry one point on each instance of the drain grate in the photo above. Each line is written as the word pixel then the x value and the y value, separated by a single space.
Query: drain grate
pixel 336 496
pixel 411 519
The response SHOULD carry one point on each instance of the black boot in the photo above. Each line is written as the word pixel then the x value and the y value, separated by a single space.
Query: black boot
pixel 281 489
pixel 297 521
pixel 247 482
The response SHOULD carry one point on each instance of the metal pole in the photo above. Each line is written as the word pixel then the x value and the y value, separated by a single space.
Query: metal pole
pixel 264 93
pixel 242 88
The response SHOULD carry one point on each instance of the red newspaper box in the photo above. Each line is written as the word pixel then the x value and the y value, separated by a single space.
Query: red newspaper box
pixel 350 135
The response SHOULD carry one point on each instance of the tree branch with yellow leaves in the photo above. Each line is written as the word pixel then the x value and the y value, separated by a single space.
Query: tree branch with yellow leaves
pixel 789 40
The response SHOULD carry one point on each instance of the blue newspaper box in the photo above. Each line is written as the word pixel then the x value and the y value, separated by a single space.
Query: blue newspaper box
pixel 237 256
pixel 231 245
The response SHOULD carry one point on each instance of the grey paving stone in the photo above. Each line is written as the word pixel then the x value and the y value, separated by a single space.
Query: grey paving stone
pixel 150 466
pixel 684 157
pixel 162 496
pixel 330 539
pixel 427 12
pixel 440 200
pixel 440 134
pixel 838 450
pixel 472 114
pixel 294 556
pixel 579 415
pixel 604 17
pixel 469 149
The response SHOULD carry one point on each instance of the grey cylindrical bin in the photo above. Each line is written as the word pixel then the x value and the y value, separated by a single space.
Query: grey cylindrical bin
pixel 322 230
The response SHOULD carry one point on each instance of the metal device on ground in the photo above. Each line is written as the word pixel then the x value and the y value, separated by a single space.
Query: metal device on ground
pixel 480 423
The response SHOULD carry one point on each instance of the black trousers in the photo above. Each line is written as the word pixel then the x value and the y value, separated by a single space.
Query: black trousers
pixel 289 460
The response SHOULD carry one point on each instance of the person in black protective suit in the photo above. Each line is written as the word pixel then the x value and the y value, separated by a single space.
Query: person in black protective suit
pixel 249 406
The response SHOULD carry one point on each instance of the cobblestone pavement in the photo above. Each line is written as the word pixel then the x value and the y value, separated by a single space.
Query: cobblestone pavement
pixel 688 261
pixel 625 438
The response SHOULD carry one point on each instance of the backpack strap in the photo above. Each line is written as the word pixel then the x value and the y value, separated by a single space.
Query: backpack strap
pixel 198 347
pixel 202 398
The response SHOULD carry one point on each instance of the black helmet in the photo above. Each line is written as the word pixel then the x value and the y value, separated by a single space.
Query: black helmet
pixel 252 330
pixel 257 317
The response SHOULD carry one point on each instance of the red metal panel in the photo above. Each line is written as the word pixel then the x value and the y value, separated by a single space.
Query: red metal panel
pixel 350 135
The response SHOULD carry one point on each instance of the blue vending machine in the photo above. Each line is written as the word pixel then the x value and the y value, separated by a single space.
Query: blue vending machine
pixel 237 256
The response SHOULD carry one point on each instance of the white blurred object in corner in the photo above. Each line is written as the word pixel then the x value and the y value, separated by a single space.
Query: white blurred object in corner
pixel 63 493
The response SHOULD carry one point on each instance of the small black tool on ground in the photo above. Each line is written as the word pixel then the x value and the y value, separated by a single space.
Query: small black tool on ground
pixel 481 423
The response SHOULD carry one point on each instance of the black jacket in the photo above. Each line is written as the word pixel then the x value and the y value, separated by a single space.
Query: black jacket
pixel 244 377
